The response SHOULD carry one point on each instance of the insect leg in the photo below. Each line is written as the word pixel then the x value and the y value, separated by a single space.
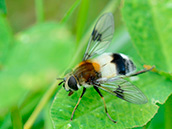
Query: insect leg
pixel 84 89
pixel 104 104
pixel 141 71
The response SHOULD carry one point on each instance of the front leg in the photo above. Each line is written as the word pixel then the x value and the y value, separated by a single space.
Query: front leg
pixel 84 89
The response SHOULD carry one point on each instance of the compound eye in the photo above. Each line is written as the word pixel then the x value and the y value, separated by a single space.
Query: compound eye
pixel 72 83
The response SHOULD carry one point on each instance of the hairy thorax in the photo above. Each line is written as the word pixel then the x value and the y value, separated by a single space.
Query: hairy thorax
pixel 87 73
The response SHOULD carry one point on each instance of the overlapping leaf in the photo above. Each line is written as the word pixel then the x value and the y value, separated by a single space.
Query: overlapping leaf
pixel 35 61
pixel 144 26
pixel 90 112
pixel 149 23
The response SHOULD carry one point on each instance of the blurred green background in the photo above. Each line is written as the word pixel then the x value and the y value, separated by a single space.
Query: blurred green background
pixel 40 39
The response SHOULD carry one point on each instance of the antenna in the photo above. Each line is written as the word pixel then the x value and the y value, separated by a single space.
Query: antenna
pixel 60 78
pixel 61 82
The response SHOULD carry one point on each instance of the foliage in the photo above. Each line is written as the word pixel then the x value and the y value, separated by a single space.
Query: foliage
pixel 31 59
pixel 3 9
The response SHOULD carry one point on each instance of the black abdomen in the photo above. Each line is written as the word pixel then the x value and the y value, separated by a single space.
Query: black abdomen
pixel 123 64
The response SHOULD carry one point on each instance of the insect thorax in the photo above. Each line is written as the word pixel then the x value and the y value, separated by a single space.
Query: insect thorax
pixel 87 73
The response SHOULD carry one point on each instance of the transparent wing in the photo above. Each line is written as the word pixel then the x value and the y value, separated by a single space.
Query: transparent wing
pixel 101 36
pixel 124 90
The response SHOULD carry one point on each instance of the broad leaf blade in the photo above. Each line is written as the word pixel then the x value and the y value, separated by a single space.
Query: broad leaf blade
pixel 91 114
pixel 157 88
pixel 149 24
pixel 35 61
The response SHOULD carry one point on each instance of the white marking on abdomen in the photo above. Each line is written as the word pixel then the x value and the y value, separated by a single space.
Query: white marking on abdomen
pixel 107 68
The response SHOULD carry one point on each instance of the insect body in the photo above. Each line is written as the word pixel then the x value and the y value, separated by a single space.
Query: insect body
pixel 106 71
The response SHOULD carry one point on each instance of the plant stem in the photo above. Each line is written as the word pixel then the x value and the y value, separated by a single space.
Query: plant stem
pixel 70 11
pixel 16 118
pixel 39 11
pixel 40 106
pixel 82 19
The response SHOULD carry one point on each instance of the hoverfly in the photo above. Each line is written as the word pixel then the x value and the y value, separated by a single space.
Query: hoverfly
pixel 106 71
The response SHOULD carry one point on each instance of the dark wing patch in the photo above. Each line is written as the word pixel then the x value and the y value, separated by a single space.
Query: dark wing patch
pixel 96 36
pixel 101 36
pixel 124 90
pixel 119 92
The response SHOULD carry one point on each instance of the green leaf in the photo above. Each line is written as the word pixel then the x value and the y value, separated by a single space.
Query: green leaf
pixel 39 54
pixel 5 40
pixel 70 11
pixel 3 9
pixel 91 114
pixel 157 88
pixel 5 122
pixel 48 122
pixel 149 24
